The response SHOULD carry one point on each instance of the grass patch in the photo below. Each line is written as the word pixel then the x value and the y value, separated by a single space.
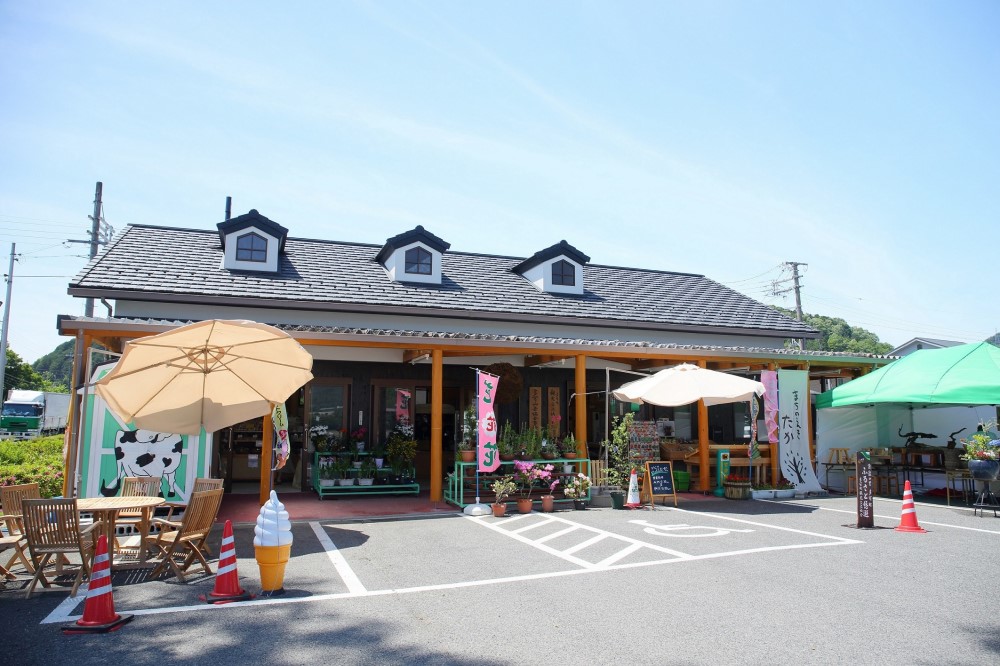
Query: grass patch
pixel 33 461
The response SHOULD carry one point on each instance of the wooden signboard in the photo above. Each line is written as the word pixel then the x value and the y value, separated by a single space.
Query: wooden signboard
pixel 535 407
pixel 658 481
pixel 866 510
pixel 553 404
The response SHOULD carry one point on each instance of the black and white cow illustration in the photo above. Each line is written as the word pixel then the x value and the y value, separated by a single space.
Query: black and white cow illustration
pixel 146 453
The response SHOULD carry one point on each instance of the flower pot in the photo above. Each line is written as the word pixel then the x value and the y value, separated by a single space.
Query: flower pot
pixel 365 482
pixel 506 457
pixel 567 469
pixel 569 455
pixel 548 503
pixel 737 491
pixel 468 456
pixel 379 462
pixel 787 493
pixel 762 494
pixel 984 470
pixel 548 455
pixel 617 499
pixel 327 483
pixel 356 464
pixel 579 505
pixel 345 482
pixel 499 510
pixel 524 505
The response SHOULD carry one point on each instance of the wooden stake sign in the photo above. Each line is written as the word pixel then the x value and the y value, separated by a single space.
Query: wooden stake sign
pixel 866 510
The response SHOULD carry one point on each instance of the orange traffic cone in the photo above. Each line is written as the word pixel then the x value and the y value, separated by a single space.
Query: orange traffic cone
pixel 99 614
pixel 633 501
pixel 227 581
pixel 908 521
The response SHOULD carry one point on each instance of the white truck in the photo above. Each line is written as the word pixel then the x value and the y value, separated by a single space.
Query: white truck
pixel 30 414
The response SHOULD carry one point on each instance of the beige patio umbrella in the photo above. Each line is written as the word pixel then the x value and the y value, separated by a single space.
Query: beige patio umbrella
pixel 687 383
pixel 210 374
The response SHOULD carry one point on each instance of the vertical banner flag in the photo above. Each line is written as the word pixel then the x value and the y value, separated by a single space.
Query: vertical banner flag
pixel 752 450
pixel 489 458
pixel 769 378
pixel 793 414
pixel 279 417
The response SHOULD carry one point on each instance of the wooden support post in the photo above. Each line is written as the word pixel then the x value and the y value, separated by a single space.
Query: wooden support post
pixel 437 448
pixel 265 459
pixel 74 431
pixel 580 405
pixel 704 473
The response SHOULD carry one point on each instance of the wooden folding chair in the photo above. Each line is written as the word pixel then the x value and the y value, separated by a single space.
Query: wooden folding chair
pixel 11 498
pixel 179 544
pixel 200 485
pixel 137 486
pixel 52 527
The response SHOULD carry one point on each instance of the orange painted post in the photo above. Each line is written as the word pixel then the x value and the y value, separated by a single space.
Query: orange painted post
pixel 704 472
pixel 265 460
pixel 437 391
pixel 580 405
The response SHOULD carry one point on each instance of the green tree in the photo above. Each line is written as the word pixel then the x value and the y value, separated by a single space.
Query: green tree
pixel 20 375
pixel 57 365
pixel 838 335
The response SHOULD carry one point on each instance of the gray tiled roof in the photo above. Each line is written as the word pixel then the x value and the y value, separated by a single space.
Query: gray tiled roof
pixel 147 261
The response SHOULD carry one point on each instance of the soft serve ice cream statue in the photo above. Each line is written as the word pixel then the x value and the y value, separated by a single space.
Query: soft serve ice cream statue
pixel 272 543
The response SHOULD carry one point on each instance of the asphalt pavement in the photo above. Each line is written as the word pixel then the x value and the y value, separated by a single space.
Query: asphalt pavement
pixel 712 582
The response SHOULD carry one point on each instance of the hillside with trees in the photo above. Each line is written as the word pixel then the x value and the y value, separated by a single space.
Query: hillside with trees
pixel 838 335
pixel 57 365
pixel 21 375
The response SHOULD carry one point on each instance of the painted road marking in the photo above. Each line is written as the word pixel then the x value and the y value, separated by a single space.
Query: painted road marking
pixel 921 521
pixel 61 613
pixel 671 530
pixel 351 580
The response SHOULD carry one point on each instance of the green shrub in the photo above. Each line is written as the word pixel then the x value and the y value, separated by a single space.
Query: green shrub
pixel 33 461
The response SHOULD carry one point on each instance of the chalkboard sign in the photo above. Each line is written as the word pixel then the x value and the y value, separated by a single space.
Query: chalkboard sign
pixel 659 481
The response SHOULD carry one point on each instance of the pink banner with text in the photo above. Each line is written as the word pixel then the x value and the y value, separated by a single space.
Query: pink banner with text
pixel 489 458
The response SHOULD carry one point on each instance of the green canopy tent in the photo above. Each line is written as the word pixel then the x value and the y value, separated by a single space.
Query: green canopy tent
pixel 912 396
pixel 961 375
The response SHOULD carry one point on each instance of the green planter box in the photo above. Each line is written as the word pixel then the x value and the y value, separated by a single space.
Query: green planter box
pixel 682 481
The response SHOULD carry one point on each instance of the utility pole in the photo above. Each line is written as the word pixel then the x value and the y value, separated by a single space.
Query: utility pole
pixel 100 233
pixel 796 287
pixel 6 321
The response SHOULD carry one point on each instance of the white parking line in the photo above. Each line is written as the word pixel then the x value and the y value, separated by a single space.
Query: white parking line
pixel 351 580
pixel 922 522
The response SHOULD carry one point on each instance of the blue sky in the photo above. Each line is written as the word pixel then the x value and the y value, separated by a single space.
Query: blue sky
pixel 717 138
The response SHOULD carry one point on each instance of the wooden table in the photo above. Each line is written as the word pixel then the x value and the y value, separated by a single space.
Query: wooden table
pixel 106 509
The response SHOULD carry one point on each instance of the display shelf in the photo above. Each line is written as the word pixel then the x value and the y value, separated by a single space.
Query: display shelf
pixel 460 487
pixel 384 473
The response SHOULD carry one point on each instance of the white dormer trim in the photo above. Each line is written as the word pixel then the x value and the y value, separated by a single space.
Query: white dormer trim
pixel 541 276
pixel 395 265
pixel 269 265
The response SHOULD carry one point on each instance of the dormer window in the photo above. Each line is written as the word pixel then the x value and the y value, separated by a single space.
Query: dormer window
pixel 413 256
pixel 418 261
pixel 563 274
pixel 251 247
pixel 555 270
pixel 251 242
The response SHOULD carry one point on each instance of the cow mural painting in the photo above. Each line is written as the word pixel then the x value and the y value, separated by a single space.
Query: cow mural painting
pixel 111 450
pixel 146 453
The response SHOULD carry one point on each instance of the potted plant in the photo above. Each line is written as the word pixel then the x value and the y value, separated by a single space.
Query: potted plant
pixel 467 450
pixel 400 452
pixel 761 491
pixel 358 437
pixel 784 489
pixel 366 475
pixel 343 472
pixel 982 450
pixel 327 475
pixel 621 460
pixel 502 488
pixel 526 475
pixel 378 454
pixel 549 499
pixel 507 443
pixel 736 487
pixel 319 436
pixel 568 446
pixel 578 489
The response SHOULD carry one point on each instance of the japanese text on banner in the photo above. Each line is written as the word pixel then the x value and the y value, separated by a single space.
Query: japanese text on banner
pixel 489 458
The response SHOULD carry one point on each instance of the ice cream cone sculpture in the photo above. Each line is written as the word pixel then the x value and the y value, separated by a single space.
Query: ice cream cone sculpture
pixel 272 544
